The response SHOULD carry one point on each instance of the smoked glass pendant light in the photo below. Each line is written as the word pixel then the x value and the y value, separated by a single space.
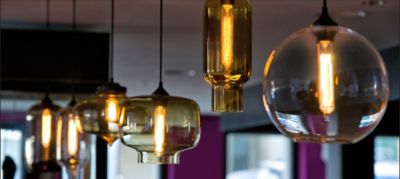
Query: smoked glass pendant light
pixel 40 144
pixel 325 84
pixel 160 126
pixel 99 115
pixel 72 146
pixel 227 51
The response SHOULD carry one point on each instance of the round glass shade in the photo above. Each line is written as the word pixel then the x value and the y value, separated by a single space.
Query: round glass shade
pixel 325 84
pixel 40 143
pixel 160 127
pixel 100 114
pixel 72 146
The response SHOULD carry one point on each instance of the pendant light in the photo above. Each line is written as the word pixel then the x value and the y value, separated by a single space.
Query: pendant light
pixel 72 146
pixel 325 84
pixel 40 142
pixel 100 114
pixel 160 126
pixel 227 51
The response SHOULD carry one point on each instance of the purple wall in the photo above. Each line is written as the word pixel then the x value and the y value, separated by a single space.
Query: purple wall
pixel 310 165
pixel 206 161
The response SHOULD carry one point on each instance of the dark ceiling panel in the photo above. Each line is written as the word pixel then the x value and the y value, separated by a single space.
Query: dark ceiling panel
pixel 40 61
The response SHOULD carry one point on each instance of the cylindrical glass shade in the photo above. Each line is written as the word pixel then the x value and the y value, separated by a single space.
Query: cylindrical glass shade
pixel 325 84
pixel 99 115
pixel 160 127
pixel 227 51
pixel 72 146
pixel 40 143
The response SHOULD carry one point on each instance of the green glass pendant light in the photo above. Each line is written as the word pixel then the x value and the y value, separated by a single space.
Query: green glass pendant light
pixel 160 126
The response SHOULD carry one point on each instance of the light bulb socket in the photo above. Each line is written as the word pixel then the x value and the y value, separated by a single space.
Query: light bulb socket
pixel 152 158
pixel 227 2
pixel 111 87
pixel 227 98
pixel 325 35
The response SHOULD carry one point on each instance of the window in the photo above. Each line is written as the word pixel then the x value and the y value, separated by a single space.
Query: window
pixel 258 156
pixel 386 151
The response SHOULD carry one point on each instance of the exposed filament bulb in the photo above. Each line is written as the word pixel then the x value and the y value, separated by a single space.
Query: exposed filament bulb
pixel 159 128
pixel 326 85
pixel 227 36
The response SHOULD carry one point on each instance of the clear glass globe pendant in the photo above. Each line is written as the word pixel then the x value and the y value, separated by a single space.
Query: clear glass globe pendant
pixel 325 84
pixel 72 144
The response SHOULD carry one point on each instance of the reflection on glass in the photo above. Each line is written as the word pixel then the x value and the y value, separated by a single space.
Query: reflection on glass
pixel 387 153
pixel 258 156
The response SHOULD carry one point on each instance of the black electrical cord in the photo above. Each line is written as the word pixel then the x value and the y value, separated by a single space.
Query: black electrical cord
pixel 75 50
pixel 111 61
pixel 161 41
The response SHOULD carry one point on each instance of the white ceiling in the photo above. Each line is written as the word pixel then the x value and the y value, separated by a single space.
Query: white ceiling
pixel 136 41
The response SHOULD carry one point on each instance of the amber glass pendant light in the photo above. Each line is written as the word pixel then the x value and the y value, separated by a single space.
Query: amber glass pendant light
pixel 160 126
pixel 72 145
pixel 40 144
pixel 325 84
pixel 227 51
pixel 100 114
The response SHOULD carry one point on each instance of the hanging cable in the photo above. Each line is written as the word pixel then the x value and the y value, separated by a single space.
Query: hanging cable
pixel 47 15
pixel 161 41
pixel 111 61
pixel 74 45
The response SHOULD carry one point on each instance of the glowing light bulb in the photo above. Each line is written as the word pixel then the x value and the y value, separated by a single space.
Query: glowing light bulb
pixel 159 128
pixel 227 36
pixel 326 82
pixel 72 137
pixel 46 128
pixel 112 109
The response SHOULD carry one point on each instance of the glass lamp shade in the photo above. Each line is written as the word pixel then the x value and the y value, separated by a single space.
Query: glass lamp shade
pixel 160 127
pixel 100 114
pixel 227 51
pixel 325 84
pixel 40 143
pixel 72 146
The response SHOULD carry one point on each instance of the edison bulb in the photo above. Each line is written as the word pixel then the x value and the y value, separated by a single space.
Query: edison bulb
pixel 159 128
pixel 326 95
pixel 325 84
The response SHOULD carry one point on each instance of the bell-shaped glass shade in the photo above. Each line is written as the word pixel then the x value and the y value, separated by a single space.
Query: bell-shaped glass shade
pixel 40 143
pixel 325 84
pixel 227 51
pixel 100 114
pixel 72 145
pixel 160 127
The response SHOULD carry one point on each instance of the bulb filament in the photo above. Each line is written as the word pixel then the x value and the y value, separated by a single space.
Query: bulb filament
pixel 46 128
pixel 159 128
pixel 326 93
pixel 227 36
